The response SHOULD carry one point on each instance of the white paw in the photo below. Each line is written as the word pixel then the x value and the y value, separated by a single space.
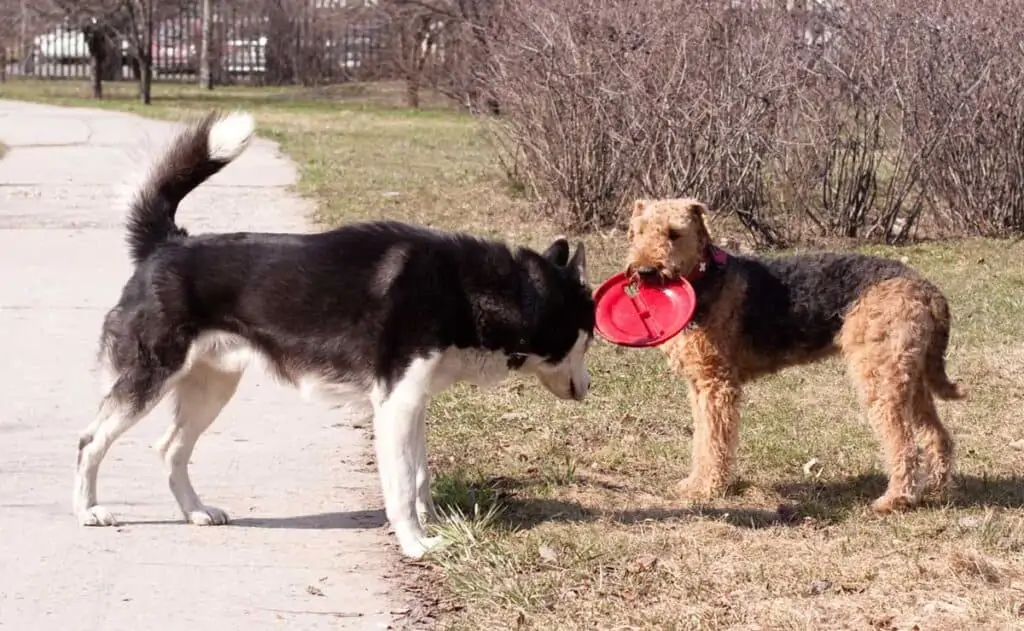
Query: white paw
pixel 418 547
pixel 208 516
pixel 96 516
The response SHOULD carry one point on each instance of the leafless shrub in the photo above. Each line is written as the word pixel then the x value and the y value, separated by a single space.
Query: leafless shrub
pixel 803 122
pixel 566 80
pixel 973 83
pixel 466 47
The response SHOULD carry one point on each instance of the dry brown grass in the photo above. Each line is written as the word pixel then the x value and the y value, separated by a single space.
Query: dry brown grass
pixel 568 521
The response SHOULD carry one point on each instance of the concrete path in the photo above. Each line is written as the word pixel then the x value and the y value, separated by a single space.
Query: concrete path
pixel 308 548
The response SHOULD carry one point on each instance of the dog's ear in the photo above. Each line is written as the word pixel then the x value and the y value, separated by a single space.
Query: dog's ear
pixel 639 206
pixel 699 214
pixel 558 252
pixel 579 264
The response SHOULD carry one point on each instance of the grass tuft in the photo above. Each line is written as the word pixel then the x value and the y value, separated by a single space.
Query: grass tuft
pixel 561 515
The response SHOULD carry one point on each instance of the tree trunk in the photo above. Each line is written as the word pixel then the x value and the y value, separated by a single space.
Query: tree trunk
pixel 94 40
pixel 146 54
pixel 97 75
pixel 205 58
pixel 412 92
pixel 146 80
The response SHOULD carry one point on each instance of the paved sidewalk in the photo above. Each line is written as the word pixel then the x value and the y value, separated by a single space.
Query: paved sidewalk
pixel 308 548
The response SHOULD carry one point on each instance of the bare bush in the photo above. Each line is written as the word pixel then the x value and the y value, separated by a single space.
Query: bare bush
pixel 973 83
pixel 466 47
pixel 565 79
pixel 801 121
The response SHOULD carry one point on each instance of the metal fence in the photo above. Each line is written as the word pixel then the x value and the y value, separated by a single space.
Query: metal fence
pixel 306 44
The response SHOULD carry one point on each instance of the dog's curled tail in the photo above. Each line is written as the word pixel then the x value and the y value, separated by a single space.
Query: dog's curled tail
pixel 935 359
pixel 200 151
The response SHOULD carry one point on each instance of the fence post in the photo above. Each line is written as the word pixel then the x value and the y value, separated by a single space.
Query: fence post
pixel 205 58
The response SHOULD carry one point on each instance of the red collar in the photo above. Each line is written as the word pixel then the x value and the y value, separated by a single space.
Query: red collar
pixel 714 255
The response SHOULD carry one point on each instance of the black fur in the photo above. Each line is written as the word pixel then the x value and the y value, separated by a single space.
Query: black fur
pixel 356 304
pixel 184 167
pixel 796 303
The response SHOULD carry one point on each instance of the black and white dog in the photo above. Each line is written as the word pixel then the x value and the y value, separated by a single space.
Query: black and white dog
pixel 379 316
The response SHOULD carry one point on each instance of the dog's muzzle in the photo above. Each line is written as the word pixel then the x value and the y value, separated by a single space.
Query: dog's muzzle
pixel 646 273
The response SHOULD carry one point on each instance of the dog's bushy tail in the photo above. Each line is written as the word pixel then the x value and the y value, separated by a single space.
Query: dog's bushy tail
pixel 198 152
pixel 935 358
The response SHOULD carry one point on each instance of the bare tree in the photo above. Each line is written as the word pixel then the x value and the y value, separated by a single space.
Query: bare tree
pixel 205 58
pixel 12 18
pixel 107 22
pixel 413 34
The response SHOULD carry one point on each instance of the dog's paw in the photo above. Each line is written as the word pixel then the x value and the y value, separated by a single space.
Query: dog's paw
pixel 96 516
pixel 418 547
pixel 699 489
pixel 208 516
pixel 892 503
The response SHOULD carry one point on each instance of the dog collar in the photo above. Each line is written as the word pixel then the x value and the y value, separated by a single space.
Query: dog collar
pixel 716 255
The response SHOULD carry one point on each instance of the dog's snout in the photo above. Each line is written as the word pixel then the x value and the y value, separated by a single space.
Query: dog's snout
pixel 647 271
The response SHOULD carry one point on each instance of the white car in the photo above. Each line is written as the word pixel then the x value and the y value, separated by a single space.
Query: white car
pixel 61 45
pixel 246 55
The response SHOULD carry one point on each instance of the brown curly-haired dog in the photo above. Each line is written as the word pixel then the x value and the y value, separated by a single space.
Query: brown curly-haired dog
pixel 758 315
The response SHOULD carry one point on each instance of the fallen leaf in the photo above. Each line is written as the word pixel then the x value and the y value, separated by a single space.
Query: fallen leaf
pixel 643 563
pixel 820 587
pixel 969 521
pixel 547 553
pixel 314 590
pixel 938 605
pixel 882 622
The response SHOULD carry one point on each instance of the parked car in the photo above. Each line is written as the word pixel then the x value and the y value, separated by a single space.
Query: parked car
pixel 245 55
pixel 176 46
pixel 62 45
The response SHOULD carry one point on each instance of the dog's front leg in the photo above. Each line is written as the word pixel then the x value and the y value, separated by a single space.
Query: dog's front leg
pixel 424 502
pixel 396 433
pixel 716 420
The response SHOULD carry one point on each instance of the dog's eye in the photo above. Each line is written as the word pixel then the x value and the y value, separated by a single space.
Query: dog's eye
pixel 674 234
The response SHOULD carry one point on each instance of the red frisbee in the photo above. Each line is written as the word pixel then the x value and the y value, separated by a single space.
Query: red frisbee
pixel 632 313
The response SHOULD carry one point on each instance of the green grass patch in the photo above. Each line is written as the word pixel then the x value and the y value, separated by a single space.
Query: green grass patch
pixel 562 512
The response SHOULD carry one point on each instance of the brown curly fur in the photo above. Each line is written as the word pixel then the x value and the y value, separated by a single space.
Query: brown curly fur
pixel 759 315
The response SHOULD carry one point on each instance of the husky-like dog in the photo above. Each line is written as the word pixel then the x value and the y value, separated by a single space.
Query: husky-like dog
pixel 380 316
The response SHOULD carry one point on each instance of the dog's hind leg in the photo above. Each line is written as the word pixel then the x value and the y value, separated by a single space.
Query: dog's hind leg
pixel 937 442
pixel 397 415
pixel 130 397
pixel 884 340
pixel 200 395
pixel 424 502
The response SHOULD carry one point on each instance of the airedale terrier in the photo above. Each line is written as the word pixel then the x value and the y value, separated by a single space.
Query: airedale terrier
pixel 758 315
